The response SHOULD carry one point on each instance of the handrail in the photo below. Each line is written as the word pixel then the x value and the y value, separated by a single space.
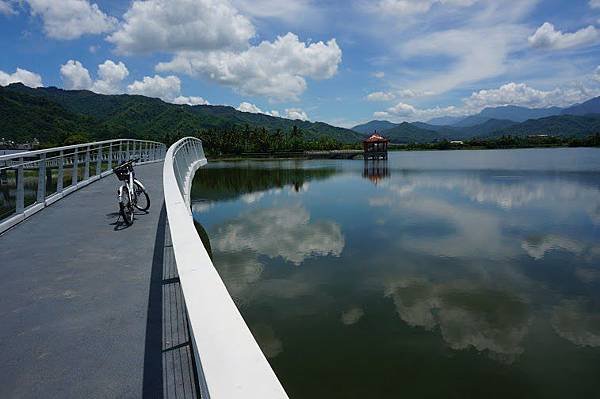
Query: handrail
pixel 229 362
pixel 88 162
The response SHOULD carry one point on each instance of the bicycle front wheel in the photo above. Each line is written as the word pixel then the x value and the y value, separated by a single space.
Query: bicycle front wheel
pixel 126 208
pixel 142 199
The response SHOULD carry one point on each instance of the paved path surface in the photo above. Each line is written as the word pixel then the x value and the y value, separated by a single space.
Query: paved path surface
pixel 88 308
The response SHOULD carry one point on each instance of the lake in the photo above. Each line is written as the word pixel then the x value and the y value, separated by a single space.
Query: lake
pixel 434 274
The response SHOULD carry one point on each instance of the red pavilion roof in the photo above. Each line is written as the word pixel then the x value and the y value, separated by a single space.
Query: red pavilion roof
pixel 376 138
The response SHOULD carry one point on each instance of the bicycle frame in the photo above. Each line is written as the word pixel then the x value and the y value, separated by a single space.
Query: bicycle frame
pixel 128 187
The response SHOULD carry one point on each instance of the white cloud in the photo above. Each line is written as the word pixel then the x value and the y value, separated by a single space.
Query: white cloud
pixel 412 7
pixel 183 100
pixel 178 25
pixel 381 96
pixel 475 54
pixel 519 94
pixel 6 8
pixel 277 70
pixel 249 107
pixel 594 4
pixel 167 88
pixel 70 19
pixel 75 76
pixel 547 37
pixel 111 76
pixel 296 113
pixel 352 316
pixel 298 238
pixel 379 74
pixel 290 11
pixel 573 321
pixel 524 95
pixel 596 75
pixel 21 75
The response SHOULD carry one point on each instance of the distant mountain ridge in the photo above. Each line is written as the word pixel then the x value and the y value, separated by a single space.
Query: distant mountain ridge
pixel 578 120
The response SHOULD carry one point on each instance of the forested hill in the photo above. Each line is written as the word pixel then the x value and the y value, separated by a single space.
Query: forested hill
pixel 55 116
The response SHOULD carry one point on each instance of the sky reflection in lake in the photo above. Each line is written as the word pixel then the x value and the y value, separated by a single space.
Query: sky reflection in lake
pixel 471 273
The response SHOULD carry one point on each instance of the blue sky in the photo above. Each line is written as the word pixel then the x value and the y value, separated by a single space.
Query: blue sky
pixel 342 62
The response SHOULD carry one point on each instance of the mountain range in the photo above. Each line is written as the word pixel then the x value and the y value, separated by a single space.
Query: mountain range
pixel 577 120
pixel 51 115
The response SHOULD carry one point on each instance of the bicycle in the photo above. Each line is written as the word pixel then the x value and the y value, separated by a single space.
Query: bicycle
pixel 132 194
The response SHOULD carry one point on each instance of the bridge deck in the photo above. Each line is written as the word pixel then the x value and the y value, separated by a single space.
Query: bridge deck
pixel 89 309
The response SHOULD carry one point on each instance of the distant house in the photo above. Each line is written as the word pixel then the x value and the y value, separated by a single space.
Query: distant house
pixel 458 142
pixel 376 147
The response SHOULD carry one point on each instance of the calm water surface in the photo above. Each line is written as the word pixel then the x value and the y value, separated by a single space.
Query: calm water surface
pixel 435 274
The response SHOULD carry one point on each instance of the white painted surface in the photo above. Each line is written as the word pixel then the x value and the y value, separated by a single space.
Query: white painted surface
pixel 230 363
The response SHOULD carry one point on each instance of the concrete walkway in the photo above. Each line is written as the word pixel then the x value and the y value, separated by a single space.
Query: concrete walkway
pixel 88 308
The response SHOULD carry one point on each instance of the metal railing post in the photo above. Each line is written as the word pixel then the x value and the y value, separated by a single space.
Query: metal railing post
pixel 99 160
pixel 86 172
pixel 75 171
pixel 20 205
pixel 61 173
pixel 41 188
pixel 128 153
pixel 110 155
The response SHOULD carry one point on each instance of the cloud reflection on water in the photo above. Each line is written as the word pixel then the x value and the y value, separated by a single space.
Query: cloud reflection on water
pixel 467 314
pixel 286 231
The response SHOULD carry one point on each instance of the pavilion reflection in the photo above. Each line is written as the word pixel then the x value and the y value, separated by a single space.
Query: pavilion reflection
pixel 376 170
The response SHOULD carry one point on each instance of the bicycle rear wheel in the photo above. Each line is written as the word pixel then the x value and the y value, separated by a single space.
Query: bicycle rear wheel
pixel 126 208
pixel 142 199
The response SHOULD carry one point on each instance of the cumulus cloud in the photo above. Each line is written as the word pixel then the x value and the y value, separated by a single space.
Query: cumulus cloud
pixel 408 112
pixel 6 8
pixel 165 88
pixel 255 71
pixel 573 321
pixel 464 323
pixel 110 77
pixel 524 95
pixel 71 19
pixel 547 37
pixel 184 100
pixel 380 96
pixel 296 113
pixel 178 25
pixel 538 246
pixel 512 93
pixel 594 4
pixel 75 76
pixel 24 76
pixel 298 238
pixel 249 107
pixel 352 316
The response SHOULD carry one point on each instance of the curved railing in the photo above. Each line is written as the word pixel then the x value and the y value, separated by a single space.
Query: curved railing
pixel 32 180
pixel 229 362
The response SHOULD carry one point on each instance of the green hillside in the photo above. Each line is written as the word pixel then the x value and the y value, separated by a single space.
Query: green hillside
pixel 50 113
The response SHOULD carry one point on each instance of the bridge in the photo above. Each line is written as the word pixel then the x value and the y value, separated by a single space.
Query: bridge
pixel 92 308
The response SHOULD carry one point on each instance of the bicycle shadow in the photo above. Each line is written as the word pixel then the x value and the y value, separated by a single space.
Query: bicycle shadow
pixel 120 224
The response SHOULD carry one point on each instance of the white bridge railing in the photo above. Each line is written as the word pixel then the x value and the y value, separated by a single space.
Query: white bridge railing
pixel 32 180
pixel 230 363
